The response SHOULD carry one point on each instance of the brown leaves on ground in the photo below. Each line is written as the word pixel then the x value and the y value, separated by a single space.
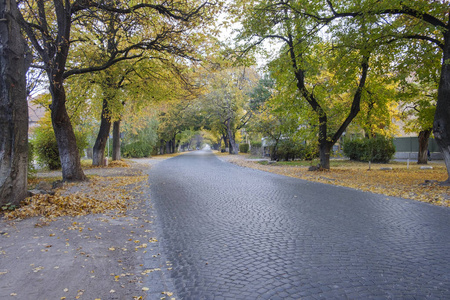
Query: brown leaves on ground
pixel 118 164
pixel 87 164
pixel 399 182
pixel 98 195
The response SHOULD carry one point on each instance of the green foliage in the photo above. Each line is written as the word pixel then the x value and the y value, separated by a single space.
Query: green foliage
pixel 379 149
pixel 257 144
pixel 288 149
pixel 261 92
pixel 137 149
pixel 140 142
pixel 243 148
pixel 225 104
pixel 8 206
pixel 46 147
pixel 418 106
pixel 31 151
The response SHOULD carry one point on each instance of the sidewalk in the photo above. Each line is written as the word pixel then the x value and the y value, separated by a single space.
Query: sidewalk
pixel 97 256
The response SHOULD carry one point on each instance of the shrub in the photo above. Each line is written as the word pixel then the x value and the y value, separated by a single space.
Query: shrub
pixel 136 150
pixel 310 152
pixel 257 144
pixel 256 148
pixel 379 149
pixel 45 145
pixel 31 168
pixel 289 149
pixel 47 152
pixel 243 148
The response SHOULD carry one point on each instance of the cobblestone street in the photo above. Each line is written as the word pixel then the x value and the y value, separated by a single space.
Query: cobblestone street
pixel 229 232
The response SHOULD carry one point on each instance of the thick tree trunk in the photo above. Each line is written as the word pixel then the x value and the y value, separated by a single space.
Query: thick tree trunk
pixel 65 136
pixel 424 135
pixel 13 108
pixel 116 140
pixel 324 155
pixel 441 125
pixel 225 141
pixel 98 158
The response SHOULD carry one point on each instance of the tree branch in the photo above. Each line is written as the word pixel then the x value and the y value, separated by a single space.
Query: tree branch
pixel 161 9
pixel 425 38
pixel 355 108
pixel 106 65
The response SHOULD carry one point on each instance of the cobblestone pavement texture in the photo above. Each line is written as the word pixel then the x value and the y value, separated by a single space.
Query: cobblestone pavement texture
pixel 235 233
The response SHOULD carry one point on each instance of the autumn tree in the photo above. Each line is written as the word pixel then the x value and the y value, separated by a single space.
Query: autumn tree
pixel 174 118
pixel 13 107
pixel 226 102
pixel 302 58
pixel 49 28
pixel 164 60
pixel 275 124
pixel 419 74
pixel 423 21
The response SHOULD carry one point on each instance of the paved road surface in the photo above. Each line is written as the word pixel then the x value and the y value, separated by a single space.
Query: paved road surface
pixel 235 233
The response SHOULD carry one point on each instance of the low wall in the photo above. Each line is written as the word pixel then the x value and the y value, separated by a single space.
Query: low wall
pixel 414 155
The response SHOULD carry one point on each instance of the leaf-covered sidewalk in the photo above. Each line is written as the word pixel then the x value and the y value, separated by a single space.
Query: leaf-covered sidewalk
pixel 87 241
pixel 413 183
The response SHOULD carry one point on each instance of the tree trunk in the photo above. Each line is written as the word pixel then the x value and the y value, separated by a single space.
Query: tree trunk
pixel 13 108
pixel 65 136
pixel 98 158
pixel 324 154
pixel 161 147
pixel 274 151
pixel 424 135
pixel 174 145
pixel 441 125
pixel 116 140
pixel 233 147
pixel 225 141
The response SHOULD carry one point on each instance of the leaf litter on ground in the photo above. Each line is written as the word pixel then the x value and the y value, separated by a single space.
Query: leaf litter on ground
pixel 98 195
pixel 402 181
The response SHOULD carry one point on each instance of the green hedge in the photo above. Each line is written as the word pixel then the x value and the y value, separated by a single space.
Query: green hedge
pixel 256 144
pixel 243 148
pixel 288 149
pixel 379 149
pixel 136 149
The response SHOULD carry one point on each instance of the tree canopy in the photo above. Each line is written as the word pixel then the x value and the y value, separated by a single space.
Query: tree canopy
pixel 331 67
